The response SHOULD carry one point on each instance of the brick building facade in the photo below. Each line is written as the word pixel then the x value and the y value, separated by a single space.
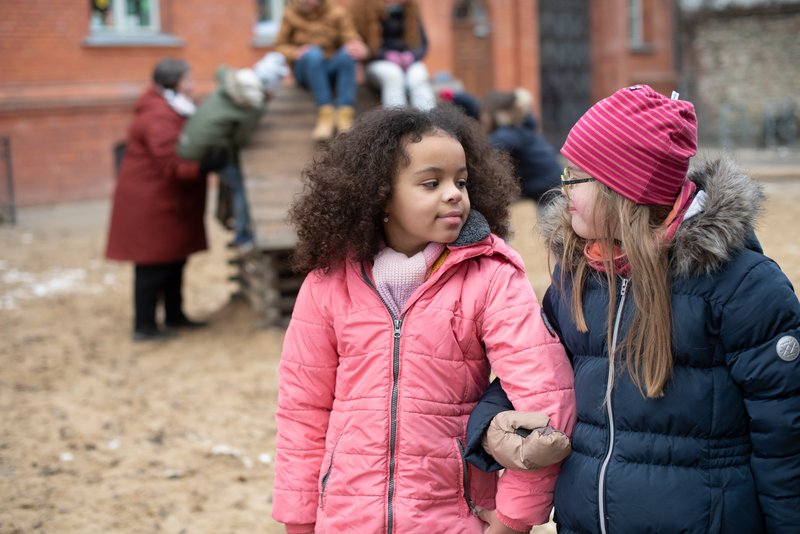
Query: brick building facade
pixel 68 83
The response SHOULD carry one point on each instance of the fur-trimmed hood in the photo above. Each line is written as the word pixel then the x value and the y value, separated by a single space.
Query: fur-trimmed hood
pixel 705 241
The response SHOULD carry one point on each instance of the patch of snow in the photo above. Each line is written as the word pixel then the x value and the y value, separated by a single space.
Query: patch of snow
pixel 28 286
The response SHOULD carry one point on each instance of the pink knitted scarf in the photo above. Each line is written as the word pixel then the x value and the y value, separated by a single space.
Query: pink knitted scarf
pixel 397 276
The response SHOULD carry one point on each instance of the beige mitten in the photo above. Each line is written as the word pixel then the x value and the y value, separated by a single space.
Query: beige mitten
pixel 542 447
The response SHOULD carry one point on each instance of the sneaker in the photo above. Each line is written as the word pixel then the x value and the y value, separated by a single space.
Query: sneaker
pixel 151 334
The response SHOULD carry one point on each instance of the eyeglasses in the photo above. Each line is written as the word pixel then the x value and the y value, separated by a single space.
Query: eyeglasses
pixel 567 182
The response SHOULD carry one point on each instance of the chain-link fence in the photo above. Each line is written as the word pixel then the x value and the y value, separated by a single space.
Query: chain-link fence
pixel 8 212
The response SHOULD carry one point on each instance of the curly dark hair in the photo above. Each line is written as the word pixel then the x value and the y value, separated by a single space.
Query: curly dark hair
pixel 349 182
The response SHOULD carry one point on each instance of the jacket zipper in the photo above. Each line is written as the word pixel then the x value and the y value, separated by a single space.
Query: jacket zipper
pixel 610 411
pixel 393 420
pixel 465 467
pixel 327 474
pixel 397 325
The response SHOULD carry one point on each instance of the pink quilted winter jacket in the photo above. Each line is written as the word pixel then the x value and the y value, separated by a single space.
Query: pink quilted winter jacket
pixel 372 410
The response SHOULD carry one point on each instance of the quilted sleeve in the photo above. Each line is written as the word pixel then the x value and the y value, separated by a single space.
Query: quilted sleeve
pixel 533 369
pixel 307 376
pixel 760 330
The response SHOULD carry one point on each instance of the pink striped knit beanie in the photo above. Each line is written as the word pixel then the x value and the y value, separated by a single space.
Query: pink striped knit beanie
pixel 637 142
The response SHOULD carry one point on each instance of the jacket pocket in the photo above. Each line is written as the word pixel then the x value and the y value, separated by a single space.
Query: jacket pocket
pixel 464 472
pixel 323 484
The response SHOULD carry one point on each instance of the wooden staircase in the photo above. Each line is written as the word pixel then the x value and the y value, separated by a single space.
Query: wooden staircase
pixel 272 163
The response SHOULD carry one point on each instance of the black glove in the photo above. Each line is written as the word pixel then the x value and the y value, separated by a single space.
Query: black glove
pixel 213 161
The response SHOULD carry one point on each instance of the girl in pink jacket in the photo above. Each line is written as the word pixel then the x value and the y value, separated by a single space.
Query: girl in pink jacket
pixel 412 299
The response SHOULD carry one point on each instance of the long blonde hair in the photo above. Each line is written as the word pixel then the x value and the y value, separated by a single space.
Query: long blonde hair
pixel 648 342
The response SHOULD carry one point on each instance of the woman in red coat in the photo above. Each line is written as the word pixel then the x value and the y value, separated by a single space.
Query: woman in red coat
pixel 157 219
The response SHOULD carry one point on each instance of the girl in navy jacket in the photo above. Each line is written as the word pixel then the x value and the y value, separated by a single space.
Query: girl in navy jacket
pixel 683 336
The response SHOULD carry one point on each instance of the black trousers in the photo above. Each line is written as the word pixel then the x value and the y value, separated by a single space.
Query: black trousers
pixel 153 283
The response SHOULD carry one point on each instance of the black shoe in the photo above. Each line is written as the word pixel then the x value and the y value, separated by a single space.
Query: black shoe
pixel 152 334
pixel 187 324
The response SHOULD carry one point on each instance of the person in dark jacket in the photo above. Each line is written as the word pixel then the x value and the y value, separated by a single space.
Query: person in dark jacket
pixel 157 219
pixel 683 336
pixel 507 117
pixel 395 36
pixel 462 100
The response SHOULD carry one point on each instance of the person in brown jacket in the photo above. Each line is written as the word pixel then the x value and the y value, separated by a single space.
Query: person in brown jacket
pixel 157 218
pixel 322 45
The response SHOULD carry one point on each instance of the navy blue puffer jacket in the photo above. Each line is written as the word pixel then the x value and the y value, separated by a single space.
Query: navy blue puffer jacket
pixel 535 161
pixel 720 451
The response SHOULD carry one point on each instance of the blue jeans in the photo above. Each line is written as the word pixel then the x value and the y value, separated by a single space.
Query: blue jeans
pixel 314 72
pixel 232 175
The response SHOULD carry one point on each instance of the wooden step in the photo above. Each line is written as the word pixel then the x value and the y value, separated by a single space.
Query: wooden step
pixel 272 163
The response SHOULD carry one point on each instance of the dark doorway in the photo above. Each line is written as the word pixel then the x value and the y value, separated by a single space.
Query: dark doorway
pixel 566 72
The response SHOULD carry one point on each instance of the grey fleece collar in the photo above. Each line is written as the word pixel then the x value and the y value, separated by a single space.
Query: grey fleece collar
pixel 475 229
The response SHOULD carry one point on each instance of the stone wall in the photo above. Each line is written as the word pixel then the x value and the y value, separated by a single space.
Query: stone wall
pixel 740 66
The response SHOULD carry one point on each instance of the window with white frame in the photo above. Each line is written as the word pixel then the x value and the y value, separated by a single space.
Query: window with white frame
pixel 636 26
pixel 268 21
pixel 125 17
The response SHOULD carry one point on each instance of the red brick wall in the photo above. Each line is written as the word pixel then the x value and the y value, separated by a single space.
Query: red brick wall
pixel 656 65
pixel 515 45
pixel 437 15
pixel 61 155
pixel 44 38
pixel 614 64
pixel 64 104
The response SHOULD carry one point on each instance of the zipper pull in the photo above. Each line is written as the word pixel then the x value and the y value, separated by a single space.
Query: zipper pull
pixel 397 324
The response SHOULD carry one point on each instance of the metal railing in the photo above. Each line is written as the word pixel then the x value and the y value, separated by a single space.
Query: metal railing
pixel 8 213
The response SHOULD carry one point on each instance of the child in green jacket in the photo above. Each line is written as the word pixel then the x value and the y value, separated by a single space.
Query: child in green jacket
pixel 223 124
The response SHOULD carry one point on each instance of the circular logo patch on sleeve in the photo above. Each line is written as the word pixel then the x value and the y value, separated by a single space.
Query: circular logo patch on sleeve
pixel 788 348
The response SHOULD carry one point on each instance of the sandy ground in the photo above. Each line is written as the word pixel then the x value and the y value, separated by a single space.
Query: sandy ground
pixel 98 434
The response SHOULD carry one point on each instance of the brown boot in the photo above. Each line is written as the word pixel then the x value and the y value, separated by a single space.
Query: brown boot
pixel 344 118
pixel 325 127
